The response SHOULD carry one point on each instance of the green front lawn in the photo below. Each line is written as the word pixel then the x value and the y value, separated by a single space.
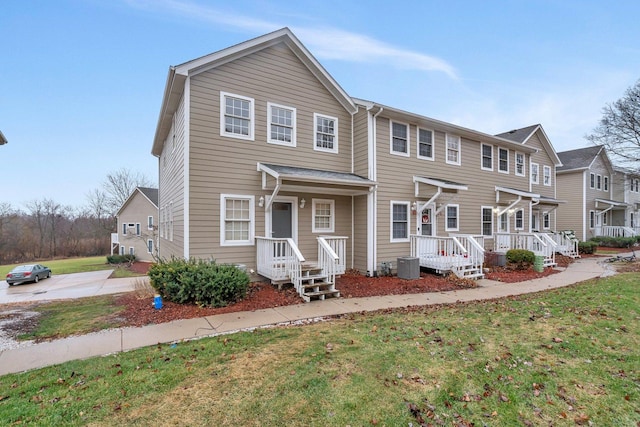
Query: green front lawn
pixel 564 357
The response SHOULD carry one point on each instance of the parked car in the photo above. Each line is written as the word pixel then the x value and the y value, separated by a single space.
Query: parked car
pixel 28 273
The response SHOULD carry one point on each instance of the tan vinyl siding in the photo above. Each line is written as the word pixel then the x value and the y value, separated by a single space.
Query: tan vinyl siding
pixel 395 178
pixel 220 164
pixel 360 234
pixel 542 159
pixel 361 155
pixel 137 211
pixel 570 215
pixel 171 186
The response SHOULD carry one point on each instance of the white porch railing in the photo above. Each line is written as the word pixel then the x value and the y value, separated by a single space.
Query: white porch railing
pixel 339 245
pixel 538 243
pixel 328 260
pixel 278 259
pixel 566 244
pixel 461 254
pixel 614 231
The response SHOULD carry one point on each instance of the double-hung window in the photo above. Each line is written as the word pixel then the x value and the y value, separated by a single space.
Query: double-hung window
pixel 399 221
pixel 137 228
pixel 519 219
pixel 425 144
pixel 520 164
pixel 592 219
pixel 282 124
pixel 487 157
pixel 503 160
pixel 534 173
pixel 326 133
pixel 599 182
pixel 150 222
pixel 399 138
pixel 323 216
pixel 606 183
pixel 236 220
pixel 592 180
pixel 546 220
pixel 150 246
pixel 452 218
pixel 546 175
pixel 453 149
pixel 487 221
pixel 236 116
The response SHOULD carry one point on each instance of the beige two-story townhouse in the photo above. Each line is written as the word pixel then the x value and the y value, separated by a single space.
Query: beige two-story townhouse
pixel 626 188
pixel 137 226
pixel 265 161
pixel 585 181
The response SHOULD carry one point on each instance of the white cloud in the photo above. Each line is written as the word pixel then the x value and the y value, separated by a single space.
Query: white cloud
pixel 325 43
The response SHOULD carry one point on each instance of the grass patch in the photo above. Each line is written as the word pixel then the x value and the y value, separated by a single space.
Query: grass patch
pixel 81 316
pixel 66 266
pixel 564 357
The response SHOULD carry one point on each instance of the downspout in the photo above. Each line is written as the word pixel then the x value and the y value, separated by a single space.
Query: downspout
pixel 372 200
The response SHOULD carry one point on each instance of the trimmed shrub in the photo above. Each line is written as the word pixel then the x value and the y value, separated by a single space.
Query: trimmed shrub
pixel 199 282
pixel 521 258
pixel 588 247
pixel 120 259
pixel 615 242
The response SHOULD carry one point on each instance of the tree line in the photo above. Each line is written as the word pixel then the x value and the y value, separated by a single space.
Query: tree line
pixel 46 229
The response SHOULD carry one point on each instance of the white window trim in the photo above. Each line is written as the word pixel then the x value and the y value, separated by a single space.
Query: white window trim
pixel 459 150
pixel 482 166
pixel 500 170
pixel 433 145
pixel 446 217
pixel 270 123
pixel 592 220
pixel 252 220
pixel 150 222
pixel 605 183
pixel 251 119
pixel 592 180
pixel 331 228
pixel 548 216
pixel 408 207
pixel 506 222
pixel 482 208
pixel 546 172
pixel 132 250
pixel 524 168
pixel 149 245
pixel 537 176
pixel 515 220
pixel 124 228
pixel 122 250
pixel 391 150
pixel 315 132
pixel 598 182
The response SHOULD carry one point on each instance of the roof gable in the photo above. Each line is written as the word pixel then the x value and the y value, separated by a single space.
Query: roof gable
pixel 174 88
pixel 523 135
pixel 150 194
pixel 580 158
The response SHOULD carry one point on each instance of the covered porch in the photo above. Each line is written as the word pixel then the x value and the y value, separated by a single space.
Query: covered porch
pixel 541 244
pixel 306 254
pixel 611 219
pixel 460 254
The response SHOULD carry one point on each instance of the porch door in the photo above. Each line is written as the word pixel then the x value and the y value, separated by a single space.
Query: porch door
pixel 426 222
pixel 282 220
pixel 535 221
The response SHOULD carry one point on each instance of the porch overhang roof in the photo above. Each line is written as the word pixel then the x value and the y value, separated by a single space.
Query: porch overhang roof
pixel 305 180
pixel 440 184
pixel 521 194
pixel 612 203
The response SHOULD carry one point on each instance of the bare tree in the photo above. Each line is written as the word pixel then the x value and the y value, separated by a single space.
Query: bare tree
pixel 619 129
pixel 119 185
pixel 99 210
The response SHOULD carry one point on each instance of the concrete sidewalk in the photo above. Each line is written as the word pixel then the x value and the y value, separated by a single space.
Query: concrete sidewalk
pixel 116 340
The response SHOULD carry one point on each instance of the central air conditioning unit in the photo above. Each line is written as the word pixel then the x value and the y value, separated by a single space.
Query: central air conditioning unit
pixel 408 268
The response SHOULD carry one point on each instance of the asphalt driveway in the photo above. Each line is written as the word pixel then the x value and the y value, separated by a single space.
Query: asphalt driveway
pixel 68 286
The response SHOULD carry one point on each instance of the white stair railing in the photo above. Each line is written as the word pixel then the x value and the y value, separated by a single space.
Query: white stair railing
pixel 279 259
pixel 328 260
pixel 339 245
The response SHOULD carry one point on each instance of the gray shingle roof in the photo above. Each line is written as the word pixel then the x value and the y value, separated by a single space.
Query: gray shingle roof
pixel 518 135
pixel 320 174
pixel 579 158
pixel 151 193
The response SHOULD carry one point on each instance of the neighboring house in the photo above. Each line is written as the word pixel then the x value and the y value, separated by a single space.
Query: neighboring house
pixel 137 225
pixel 593 208
pixel 265 161
pixel 3 140
pixel 626 188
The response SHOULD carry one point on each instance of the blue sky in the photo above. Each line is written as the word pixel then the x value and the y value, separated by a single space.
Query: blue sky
pixel 81 81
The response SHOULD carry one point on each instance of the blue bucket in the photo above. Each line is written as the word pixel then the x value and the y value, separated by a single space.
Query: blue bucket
pixel 157 302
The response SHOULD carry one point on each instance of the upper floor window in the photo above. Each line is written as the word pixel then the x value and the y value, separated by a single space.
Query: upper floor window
pixel 150 222
pixel 546 175
pixel 137 228
pixel 399 138
pixel 282 124
pixel 326 133
pixel 425 144
pixel 592 219
pixel 236 116
pixel 534 173
pixel 399 221
pixel 323 216
pixel 519 219
pixel 452 218
pixel 606 183
pixel 487 157
pixel 546 220
pixel 503 160
pixel 453 149
pixel 599 182
pixel 592 180
pixel 520 164
pixel 236 219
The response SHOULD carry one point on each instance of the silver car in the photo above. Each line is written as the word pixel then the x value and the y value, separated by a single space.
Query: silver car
pixel 28 273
